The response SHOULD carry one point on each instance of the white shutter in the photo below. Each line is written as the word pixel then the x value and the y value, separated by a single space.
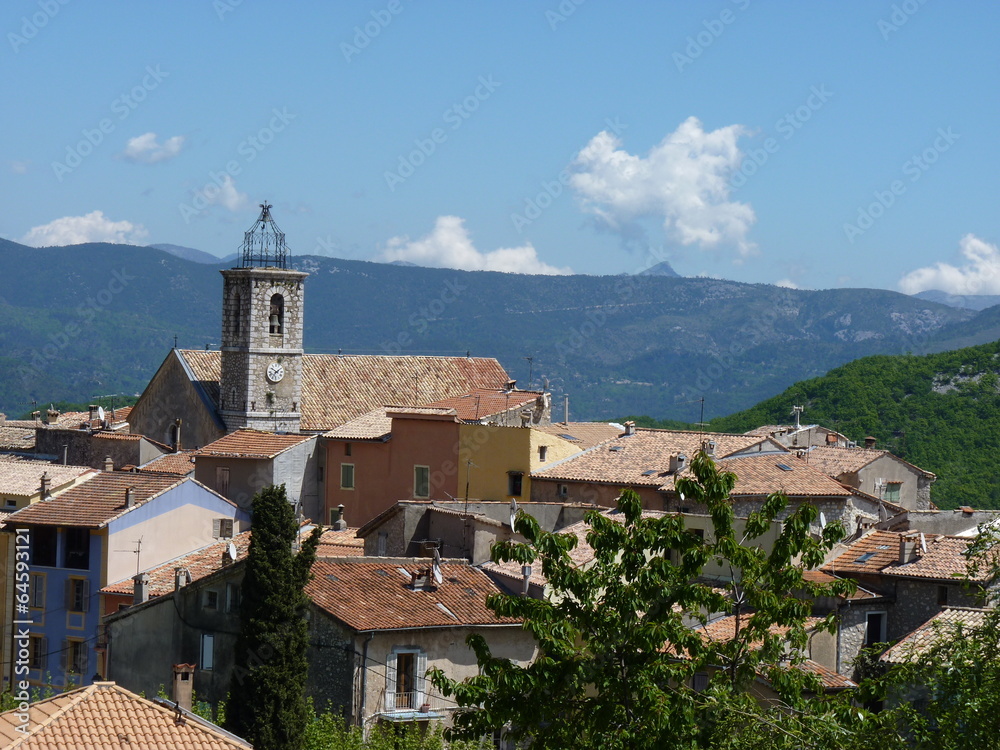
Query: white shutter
pixel 418 682
pixel 216 528
pixel 85 585
pixel 390 683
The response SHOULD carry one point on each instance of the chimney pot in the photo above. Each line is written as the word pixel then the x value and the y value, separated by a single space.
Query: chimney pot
pixel 907 549
pixel 340 524
pixel 869 442
pixel 130 497
pixel 109 465
pixel 46 485
pixel 630 428
pixel 184 685
pixel 182 577
pixel 677 462
pixel 140 588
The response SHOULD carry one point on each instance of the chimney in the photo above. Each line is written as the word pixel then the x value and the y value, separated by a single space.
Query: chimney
pixel 184 685
pixel 3 418
pixel 709 447
pixel 177 435
pixel 421 579
pixel 566 408
pixel 51 416
pixel 907 548
pixel 46 485
pixel 677 462
pixel 869 442
pixel 109 465
pixel 182 577
pixel 92 412
pixel 130 497
pixel 630 428
pixel 525 579
pixel 525 418
pixel 339 524
pixel 140 588
pixel 831 439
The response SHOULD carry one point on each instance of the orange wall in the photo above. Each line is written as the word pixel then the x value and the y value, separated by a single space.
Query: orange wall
pixel 383 471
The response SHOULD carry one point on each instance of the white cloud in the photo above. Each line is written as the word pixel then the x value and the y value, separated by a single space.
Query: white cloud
pixel 19 167
pixel 786 284
pixel 92 227
pixel 980 275
pixel 225 195
pixel 449 246
pixel 684 181
pixel 144 148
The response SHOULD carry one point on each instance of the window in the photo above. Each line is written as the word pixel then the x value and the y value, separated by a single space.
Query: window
pixel 208 651
pixel 515 482
pixel 43 546
pixel 77 549
pixel 421 481
pixel 319 473
pixel 875 628
pixel 347 449
pixel 222 480
pixel 38 651
pixel 232 597
pixel 222 528
pixel 892 492
pixel 543 452
pixel 405 679
pixel 74 657
pixel 347 476
pixel 699 682
pixel 211 600
pixel 276 320
pixel 942 596
pixel 78 595
pixel 36 592
pixel 382 544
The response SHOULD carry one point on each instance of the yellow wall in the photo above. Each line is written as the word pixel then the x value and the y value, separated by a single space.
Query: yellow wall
pixel 495 451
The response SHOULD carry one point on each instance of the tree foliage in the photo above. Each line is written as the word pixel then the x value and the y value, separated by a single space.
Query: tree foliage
pixel 267 703
pixel 616 651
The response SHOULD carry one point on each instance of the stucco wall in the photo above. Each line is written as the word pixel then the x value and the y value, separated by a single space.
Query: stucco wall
pixel 246 476
pixel 296 468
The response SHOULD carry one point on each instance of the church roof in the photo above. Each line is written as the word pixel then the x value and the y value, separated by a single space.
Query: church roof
pixel 338 388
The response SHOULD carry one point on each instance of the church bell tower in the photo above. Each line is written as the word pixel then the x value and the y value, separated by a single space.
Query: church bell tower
pixel 261 380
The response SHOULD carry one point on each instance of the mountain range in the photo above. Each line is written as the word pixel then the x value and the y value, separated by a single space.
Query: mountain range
pixel 95 319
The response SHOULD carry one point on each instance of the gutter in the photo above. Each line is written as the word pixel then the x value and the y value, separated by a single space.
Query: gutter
pixel 364 679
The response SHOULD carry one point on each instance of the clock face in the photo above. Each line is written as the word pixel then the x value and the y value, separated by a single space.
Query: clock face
pixel 275 372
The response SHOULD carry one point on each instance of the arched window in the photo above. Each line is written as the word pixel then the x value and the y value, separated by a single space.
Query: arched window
pixel 237 313
pixel 277 317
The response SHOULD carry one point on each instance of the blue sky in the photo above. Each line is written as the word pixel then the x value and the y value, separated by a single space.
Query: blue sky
pixel 815 145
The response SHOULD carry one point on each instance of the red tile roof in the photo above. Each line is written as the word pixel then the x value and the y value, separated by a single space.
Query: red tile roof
pixel 104 716
pixel 764 474
pixel 481 403
pixel 180 463
pixel 877 552
pixel 373 425
pixel 941 627
pixel 199 564
pixel 724 628
pixel 253 444
pixel 829 679
pixel 340 543
pixel 14 438
pixel 373 594
pixel 338 388
pixel 24 478
pixel 583 434
pixel 837 461
pixel 97 501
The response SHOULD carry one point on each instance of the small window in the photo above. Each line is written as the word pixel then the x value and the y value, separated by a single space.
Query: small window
pixel 421 481
pixel 222 528
pixel 875 628
pixel 222 480
pixel 276 319
pixel 699 682
pixel 232 597
pixel 942 592
pixel 37 592
pixel 347 476
pixel 78 595
pixel 208 651
pixel 211 599
pixel 77 549
pixel 38 652
pixel 75 657
pixel 347 449
pixel 43 546
pixel 892 490
pixel 543 452
pixel 382 545
pixel 319 473
pixel 515 483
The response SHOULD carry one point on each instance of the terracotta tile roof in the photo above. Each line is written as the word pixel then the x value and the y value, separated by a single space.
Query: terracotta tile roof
pixel 24 478
pixel 829 679
pixel 583 434
pixel 97 501
pixel 104 716
pixel 837 461
pixel 180 463
pixel 724 628
pixel 940 627
pixel 481 403
pixel 13 438
pixel 200 563
pixel 368 594
pixel 818 576
pixel 253 444
pixel 640 459
pixel 877 552
pixel 763 474
pixel 344 543
pixel 339 388
pixel 373 425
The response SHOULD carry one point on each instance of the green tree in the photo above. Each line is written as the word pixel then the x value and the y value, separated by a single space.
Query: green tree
pixel 267 703
pixel 616 651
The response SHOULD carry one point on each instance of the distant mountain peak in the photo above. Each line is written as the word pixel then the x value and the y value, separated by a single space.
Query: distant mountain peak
pixel 190 253
pixel 967 301
pixel 660 269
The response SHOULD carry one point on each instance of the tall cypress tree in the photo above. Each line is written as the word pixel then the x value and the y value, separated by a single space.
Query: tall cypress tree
pixel 267 702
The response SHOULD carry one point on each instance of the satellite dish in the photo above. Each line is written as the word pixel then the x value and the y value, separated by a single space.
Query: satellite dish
pixel 436 568
pixel 100 413
pixel 231 551
pixel 923 543
pixel 822 520
pixel 513 511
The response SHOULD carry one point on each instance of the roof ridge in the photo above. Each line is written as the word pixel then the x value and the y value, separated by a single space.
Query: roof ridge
pixel 59 712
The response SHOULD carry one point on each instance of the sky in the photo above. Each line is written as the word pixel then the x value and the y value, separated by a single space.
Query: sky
pixel 802 144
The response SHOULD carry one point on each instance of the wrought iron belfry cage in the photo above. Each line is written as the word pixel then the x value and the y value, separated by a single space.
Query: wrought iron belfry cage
pixel 264 244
